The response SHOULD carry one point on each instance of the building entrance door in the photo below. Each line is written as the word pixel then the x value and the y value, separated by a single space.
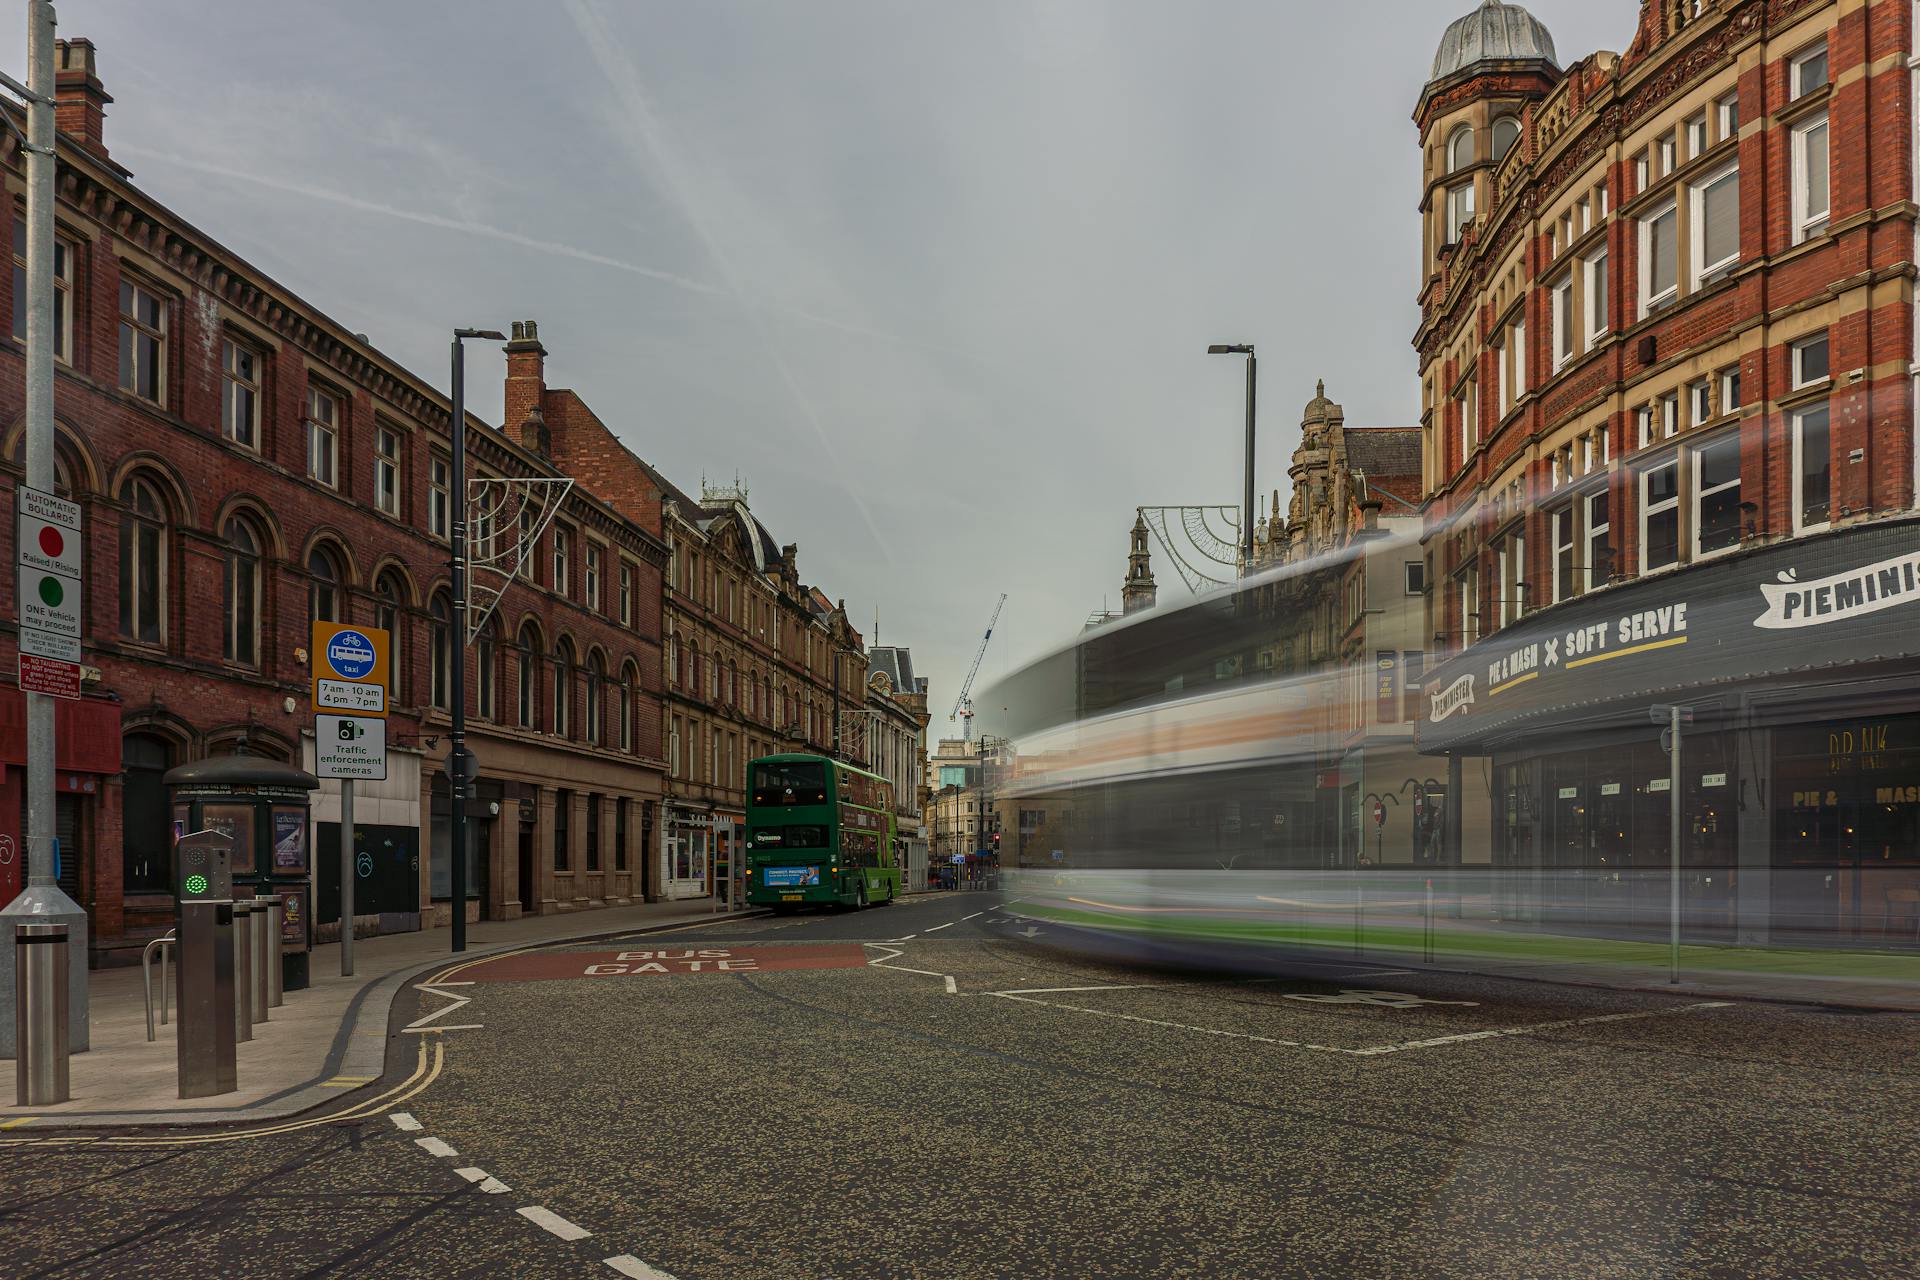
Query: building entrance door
pixel 528 892
pixel 686 854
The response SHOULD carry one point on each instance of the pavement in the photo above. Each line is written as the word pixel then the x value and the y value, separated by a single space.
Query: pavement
pixel 322 1043
pixel 947 1087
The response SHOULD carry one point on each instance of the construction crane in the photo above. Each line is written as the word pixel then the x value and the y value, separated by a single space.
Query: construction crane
pixel 963 706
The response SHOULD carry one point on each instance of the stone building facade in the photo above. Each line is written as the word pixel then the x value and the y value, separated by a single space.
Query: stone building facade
pixel 246 464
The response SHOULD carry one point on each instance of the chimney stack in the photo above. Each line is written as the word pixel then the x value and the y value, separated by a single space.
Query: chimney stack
pixel 526 376
pixel 80 99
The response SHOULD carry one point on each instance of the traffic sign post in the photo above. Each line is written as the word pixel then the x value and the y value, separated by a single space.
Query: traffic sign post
pixel 351 672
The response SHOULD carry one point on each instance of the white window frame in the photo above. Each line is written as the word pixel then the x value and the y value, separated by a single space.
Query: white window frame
pixel 1643 418
pixel 1599 313
pixel 1649 510
pixel 1460 209
pixel 1808 222
pixel 595 559
pixel 1667 153
pixel 1651 302
pixel 1669 415
pixel 562 559
pixel 232 384
pixel 1799 356
pixel 1519 341
pixel 1564 535
pixel 1730 390
pixel 1700 493
pixel 1727 114
pixel 1797 86
pixel 439 496
pixel 1700 402
pixel 386 468
pixel 1799 418
pixel 1591 533
pixel 1699 141
pixel 133 291
pixel 1561 297
pixel 626 593
pixel 323 429
pixel 1457 135
pixel 1704 271
pixel 62 291
pixel 1503 376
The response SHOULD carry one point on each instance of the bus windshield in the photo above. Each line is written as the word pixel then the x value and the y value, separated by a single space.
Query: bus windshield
pixel 790 782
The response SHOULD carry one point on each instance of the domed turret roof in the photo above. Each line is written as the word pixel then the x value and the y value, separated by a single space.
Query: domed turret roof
pixel 1495 32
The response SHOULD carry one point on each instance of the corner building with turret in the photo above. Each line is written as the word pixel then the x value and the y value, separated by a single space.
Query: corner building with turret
pixel 1667 359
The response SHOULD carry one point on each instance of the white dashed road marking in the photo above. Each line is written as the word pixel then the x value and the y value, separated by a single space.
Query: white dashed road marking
pixel 435 1147
pixel 948 925
pixel 404 1120
pixel 488 1183
pixel 628 1265
pixel 551 1221
pixel 977 913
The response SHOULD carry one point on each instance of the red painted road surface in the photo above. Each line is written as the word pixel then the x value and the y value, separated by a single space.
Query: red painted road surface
pixel 653 962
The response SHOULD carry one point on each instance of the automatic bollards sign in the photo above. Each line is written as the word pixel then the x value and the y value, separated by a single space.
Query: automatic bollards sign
pixel 350 677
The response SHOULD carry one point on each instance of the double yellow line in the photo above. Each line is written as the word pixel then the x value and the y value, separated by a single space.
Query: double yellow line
pixel 425 1072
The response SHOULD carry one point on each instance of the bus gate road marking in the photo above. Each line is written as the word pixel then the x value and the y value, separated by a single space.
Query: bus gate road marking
pixel 669 961
pixel 894 953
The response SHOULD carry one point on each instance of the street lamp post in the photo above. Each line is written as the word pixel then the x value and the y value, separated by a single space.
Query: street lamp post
pixel 459 775
pixel 1246 518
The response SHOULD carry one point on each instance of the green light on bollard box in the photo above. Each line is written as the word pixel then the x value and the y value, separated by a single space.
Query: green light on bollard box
pixel 204 862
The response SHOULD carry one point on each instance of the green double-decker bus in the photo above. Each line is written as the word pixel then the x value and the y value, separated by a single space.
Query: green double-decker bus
pixel 819 833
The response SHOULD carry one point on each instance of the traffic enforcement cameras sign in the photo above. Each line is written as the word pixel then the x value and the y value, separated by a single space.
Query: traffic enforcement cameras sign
pixel 350 747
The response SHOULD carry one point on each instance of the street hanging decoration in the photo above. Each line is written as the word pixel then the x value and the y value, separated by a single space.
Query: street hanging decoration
pixel 1202 541
pixel 505 518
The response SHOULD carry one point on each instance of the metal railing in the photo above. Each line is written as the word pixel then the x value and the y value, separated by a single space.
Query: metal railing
pixel 164 944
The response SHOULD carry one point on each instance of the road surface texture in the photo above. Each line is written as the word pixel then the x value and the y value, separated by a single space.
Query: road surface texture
pixel 937 1089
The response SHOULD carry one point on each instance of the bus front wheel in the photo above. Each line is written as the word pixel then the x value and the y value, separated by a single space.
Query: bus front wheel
pixel 860 894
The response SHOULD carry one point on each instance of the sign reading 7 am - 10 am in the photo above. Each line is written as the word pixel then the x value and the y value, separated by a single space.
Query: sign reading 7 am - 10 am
pixel 350 669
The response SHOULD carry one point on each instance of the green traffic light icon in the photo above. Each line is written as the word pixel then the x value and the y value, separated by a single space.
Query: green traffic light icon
pixel 51 592
pixel 196 884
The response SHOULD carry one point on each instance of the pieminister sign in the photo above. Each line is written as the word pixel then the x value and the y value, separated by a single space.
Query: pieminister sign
pixel 1831 600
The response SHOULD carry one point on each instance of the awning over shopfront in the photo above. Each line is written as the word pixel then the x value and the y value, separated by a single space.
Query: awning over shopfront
pixel 1838 600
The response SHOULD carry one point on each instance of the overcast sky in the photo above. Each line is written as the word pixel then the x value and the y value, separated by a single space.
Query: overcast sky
pixel 935 278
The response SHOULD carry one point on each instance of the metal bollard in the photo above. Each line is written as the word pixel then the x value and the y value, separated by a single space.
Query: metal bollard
pixel 40 1014
pixel 259 960
pixel 242 972
pixel 276 921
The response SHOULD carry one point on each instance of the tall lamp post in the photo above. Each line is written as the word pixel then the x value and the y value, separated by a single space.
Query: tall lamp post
pixel 1246 518
pixel 460 771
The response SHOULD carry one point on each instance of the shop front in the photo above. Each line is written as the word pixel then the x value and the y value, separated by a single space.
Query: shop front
pixel 686 851
pixel 1799 765
pixel 86 817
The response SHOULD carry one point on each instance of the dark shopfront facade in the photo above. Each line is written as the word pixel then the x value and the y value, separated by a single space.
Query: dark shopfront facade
pixel 1800 772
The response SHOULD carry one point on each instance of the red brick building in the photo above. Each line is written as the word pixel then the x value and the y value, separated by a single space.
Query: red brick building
pixel 1667 351
pixel 245 464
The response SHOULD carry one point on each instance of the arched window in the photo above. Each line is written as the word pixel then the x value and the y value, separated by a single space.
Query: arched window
pixel 143 562
pixel 145 813
pixel 440 650
pixel 629 681
pixel 324 590
pixel 1506 132
pixel 389 601
pixel 527 659
pixel 242 592
pixel 563 664
pixel 486 659
pixel 596 699
pixel 1460 148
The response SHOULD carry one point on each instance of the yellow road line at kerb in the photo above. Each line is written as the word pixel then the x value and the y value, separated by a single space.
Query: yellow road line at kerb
pixel 425 1072
pixel 1502 688
pixel 1623 653
pixel 18 1122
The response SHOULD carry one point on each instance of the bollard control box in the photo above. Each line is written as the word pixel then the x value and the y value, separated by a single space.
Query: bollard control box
pixel 203 867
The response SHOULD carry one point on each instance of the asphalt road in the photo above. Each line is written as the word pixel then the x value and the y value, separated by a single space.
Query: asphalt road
pixel 928 1090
